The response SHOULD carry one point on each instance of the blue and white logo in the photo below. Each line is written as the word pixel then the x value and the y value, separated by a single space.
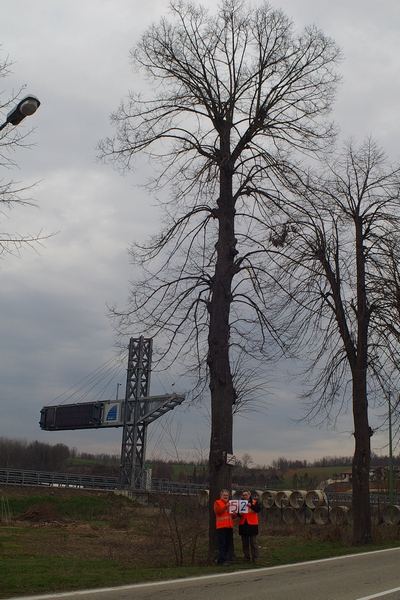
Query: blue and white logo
pixel 112 413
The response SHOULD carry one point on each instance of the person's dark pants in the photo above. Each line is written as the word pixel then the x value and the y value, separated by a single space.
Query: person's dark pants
pixel 225 543
pixel 250 544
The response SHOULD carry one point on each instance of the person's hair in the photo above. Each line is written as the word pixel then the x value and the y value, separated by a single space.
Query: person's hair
pixel 223 492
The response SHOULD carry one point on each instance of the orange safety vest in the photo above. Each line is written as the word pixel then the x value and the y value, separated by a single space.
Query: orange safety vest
pixel 251 517
pixel 223 517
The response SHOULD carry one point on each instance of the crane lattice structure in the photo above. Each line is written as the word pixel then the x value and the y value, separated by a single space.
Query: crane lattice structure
pixel 139 411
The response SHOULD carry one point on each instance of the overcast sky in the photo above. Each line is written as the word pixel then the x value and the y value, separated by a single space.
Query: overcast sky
pixel 54 330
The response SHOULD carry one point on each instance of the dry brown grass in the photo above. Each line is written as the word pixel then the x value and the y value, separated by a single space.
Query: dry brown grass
pixel 171 530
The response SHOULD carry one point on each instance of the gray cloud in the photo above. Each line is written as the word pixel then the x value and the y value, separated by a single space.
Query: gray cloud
pixel 55 329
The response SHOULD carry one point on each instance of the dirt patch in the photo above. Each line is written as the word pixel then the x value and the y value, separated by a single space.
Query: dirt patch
pixel 41 513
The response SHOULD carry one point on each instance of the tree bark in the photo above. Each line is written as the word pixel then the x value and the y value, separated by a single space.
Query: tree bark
pixel 221 383
pixel 362 532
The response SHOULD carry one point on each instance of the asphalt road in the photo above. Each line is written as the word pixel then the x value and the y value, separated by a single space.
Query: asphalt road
pixel 353 577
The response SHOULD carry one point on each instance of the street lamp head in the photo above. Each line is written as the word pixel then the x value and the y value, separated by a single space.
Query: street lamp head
pixel 25 107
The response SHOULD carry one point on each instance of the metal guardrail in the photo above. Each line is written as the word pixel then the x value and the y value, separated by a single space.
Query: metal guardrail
pixel 374 498
pixel 163 486
pixel 158 486
pixel 21 477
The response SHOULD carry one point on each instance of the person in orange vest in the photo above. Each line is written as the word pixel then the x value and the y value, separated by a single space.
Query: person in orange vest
pixel 248 527
pixel 224 524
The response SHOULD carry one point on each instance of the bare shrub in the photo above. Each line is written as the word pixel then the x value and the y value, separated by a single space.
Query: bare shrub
pixel 182 525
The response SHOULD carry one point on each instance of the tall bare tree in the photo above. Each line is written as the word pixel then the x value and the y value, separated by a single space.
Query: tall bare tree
pixel 337 274
pixel 234 94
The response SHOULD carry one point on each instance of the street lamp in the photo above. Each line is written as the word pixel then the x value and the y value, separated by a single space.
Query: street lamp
pixel 25 107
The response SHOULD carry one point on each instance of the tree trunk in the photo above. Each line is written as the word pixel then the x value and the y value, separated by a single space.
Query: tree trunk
pixel 362 532
pixel 221 384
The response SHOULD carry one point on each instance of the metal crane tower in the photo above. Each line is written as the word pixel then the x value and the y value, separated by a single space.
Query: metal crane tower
pixel 139 409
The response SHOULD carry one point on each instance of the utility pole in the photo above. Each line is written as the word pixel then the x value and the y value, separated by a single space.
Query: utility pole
pixel 391 493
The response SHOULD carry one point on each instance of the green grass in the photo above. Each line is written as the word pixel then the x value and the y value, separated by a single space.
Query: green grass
pixel 90 461
pixel 84 508
pixel 42 574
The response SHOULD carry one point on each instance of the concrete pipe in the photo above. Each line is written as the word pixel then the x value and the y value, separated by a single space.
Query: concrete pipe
pixel 289 515
pixel 321 515
pixel 297 498
pixel 203 497
pixel 282 499
pixel 315 498
pixel 391 514
pixel 256 494
pixel 268 499
pixel 305 515
pixel 274 516
pixel 338 514
pixel 236 494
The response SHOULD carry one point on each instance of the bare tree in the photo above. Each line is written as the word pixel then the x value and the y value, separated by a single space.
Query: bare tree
pixel 247 461
pixel 234 94
pixel 38 456
pixel 11 192
pixel 336 272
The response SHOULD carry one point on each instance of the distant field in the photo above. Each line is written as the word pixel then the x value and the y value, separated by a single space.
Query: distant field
pixel 184 472
pixel 304 475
